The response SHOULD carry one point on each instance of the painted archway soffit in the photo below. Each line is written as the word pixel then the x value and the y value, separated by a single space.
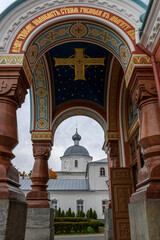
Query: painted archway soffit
pixel 16 19
pixel 78 111
pixel 78 31
pixel 41 98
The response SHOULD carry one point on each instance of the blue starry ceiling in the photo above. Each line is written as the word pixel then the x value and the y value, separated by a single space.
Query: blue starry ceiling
pixel 79 72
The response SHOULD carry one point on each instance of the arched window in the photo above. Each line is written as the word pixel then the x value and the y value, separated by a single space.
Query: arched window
pixel 76 163
pixel 80 205
pixel 102 171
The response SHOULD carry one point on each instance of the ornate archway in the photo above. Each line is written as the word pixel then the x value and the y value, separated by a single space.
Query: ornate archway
pixel 35 42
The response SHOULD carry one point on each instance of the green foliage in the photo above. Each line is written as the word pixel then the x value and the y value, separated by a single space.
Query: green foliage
pixel 80 214
pixel 73 214
pixel 70 219
pixel 58 213
pixel 94 215
pixel 91 214
pixel 90 230
pixel 68 227
pixel 63 214
pixel 101 224
pixel 95 225
pixel 69 213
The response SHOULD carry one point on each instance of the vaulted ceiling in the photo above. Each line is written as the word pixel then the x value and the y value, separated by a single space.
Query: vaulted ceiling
pixel 79 72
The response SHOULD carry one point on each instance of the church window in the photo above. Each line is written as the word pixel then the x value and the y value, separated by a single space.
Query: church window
pixel 76 163
pixel 102 171
pixel 80 205
pixel 104 204
pixel 54 203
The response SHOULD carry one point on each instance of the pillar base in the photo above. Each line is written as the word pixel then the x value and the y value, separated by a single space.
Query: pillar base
pixel 108 228
pixel 12 219
pixel 40 224
pixel 144 219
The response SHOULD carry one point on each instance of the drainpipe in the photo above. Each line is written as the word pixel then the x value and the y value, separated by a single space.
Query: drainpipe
pixel 155 70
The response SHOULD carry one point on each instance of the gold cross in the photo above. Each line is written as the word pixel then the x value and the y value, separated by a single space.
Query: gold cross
pixel 42 108
pixel 79 61
pixel 51 36
pixel 105 36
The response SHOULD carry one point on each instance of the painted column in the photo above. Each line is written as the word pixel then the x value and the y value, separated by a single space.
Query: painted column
pixel 145 202
pixel 13 207
pixel 38 197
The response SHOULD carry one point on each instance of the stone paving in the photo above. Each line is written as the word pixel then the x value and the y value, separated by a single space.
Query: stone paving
pixel 81 237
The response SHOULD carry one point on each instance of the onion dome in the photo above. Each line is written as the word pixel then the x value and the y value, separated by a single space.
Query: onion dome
pixel 76 149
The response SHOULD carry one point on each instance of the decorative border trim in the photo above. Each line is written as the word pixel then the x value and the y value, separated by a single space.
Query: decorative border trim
pixel 30 27
pixel 11 59
pixel 133 127
pixel 42 136
pixel 77 111
pixel 136 60
pixel 111 136
pixel 17 60
pixel 12 23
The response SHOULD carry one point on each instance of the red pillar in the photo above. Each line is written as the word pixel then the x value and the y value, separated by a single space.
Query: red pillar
pixel 144 94
pixel 113 151
pixel 13 85
pixel 38 197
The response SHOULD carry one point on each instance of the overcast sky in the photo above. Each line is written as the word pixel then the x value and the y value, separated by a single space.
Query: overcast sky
pixel 90 131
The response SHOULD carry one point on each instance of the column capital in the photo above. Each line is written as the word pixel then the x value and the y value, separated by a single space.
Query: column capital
pixel 42 149
pixel 142 87
pixel 13 84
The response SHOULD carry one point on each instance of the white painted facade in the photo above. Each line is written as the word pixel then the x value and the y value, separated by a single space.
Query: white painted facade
pixel 68 164
pixel 81 183
pixel 91 199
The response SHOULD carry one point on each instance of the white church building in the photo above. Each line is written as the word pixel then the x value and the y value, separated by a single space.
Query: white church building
pixel 81 184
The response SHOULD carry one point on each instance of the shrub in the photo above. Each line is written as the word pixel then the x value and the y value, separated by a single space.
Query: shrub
pixel 73 214
pixel 90 230
pixel 95 225
pixel 69 213
pixel 70 219
pixel 63 214
pixel 94 215
pixel 80 214
pixel 91 214
pixel 58 213
pixel 67 227
pixel 88 214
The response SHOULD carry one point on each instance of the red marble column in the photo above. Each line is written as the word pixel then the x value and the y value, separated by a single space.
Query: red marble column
pixel 113 151
pixel 144 94
pixel 13 85
pixel 38 196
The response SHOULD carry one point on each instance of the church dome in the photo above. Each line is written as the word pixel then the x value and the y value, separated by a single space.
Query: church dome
pixel 76 149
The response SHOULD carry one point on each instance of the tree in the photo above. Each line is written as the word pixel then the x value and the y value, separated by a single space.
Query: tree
pixel 52 174
pixel 69 213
